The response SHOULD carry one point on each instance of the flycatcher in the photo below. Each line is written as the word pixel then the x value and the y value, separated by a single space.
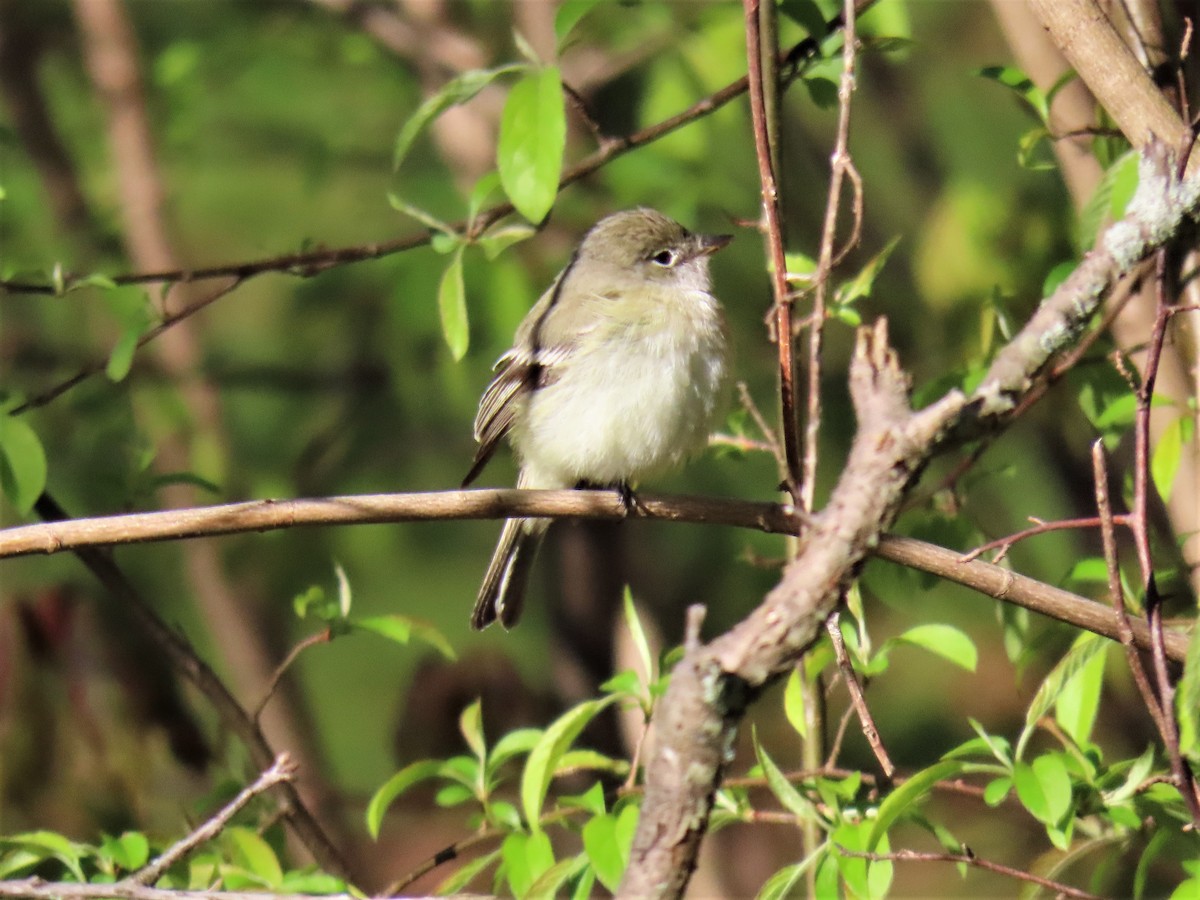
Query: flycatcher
pixel 615 373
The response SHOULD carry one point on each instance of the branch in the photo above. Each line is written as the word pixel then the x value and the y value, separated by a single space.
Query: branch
pixel 269 515
pixel 283 769
pixel 314 262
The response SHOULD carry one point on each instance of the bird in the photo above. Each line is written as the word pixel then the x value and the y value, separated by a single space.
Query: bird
pixel 616 373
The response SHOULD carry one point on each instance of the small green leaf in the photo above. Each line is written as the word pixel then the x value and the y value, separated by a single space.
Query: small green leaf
pixel 513 744
pixel 862 283
pixel 402 629
pixel 600 845
pixel 569 14
pixel 793 801
pixel 251 852
pixel 908 794
pixel 1187 700
pixel 1079 700
pixel 130 851
pixel 1044 788
pixel 1133 779
pixel 454 93
pixel 807 15
pixel 997 789
pixel 545 755
pixel 452 307
pixel 120 359
pixel 22 463
pixel 470 723
pixel 1085 647
pixel 1168 453
pixel 638 635
pixel 946 641
pixel 411 774
pixel 496 242
pixel 533 132
pixel 546 886
pixel 344 595
pixel 428 219
pixel 1020 83
pixel 793 704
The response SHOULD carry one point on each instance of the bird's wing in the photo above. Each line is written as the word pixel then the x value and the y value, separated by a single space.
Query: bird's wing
pixel 519 373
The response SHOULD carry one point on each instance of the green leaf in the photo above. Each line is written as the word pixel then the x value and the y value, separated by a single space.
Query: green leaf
pixel 1079 700
pixel 49 844
pixel 590 761
pixel 807 15
pixel 496 242
pixel 452 307
pixel 402 629
pixel 411 774
pixel 546 886
pixel 457 882
pixel 544 757
pixel 526 858
pixel 793 703
pixel 908 794
pixel 1020 83
pixel 1133 779
pixel 533 131
pixel 600 845
pixel 1168 453
pixel 946 641
pixel 862 283
pixel 249 850
pixel 793 801
pixel 569 14
pixel 454 93
pixel 779 886
pixel 513 744
pixel 1044 788
pixel 130 851
pixel 638 635
pixel 470 723
pixel 1085 647
pixel 428 219
pixel 997 789
pixel 22 463
pixel 1187 700
pixel 120 358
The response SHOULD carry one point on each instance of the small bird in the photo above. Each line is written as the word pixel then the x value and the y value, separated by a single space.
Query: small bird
pixel 614 374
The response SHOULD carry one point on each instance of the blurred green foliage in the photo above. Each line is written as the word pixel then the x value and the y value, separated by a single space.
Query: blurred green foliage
pixel 277 126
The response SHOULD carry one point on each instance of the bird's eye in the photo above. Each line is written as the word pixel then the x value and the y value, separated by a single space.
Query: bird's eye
pixel 665 258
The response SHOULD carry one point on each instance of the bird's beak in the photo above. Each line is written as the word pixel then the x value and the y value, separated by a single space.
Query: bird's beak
pixel 711 243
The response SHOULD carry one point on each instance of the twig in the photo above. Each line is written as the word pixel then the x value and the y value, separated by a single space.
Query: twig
pixel 970 859
pixel 857 700
pixel 1117 593
pixel 91 369
pixel 1005 543
pixel 313 262
pixel 840 166
pixel 321 637
pixel 774 239
pixel 189 664
pixel 283 769
pixel 768 433
pixel 1142 485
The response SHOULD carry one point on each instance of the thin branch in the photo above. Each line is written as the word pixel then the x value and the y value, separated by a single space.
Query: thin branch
pixel 970 859
pixel 774 239
pixel 857 700
pixel 60 534
pixel 94 368
pixel 313 262
pixel 840 165
pixel 321 637
pixel 1117 593
pixel 188 663
pixel 1004 544
pixel 283 769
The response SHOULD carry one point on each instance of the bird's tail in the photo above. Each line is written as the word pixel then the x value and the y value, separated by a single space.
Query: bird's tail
pixel 503 590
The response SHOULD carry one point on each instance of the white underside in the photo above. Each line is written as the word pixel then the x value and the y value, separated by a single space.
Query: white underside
pixel 621 415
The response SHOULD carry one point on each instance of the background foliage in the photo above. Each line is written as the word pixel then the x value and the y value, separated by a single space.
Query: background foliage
pixel 276 127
